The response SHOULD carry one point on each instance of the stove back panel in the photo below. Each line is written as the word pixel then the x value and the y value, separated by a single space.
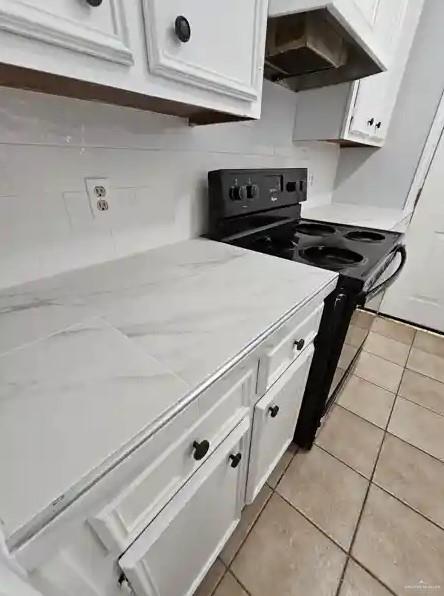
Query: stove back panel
pixel 240 193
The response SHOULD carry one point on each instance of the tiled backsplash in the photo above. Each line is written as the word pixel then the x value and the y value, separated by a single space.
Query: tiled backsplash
pixel 156 166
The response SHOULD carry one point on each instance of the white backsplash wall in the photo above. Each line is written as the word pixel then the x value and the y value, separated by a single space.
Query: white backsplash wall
pixel 156 165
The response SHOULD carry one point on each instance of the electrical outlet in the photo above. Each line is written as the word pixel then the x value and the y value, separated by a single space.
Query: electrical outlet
pixel 99 194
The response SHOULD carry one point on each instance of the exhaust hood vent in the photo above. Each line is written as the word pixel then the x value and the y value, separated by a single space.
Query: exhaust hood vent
pixel 318 47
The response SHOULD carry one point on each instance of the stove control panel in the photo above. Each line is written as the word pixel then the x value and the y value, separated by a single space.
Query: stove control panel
pixel 241 192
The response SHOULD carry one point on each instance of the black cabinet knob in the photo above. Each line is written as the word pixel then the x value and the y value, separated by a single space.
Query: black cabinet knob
pixel 371 121
pixel 299 344
pixel 235 459
pixel 273 411
pixel 182 28
pixel 94 2
pixel 379 124
pixel 200 449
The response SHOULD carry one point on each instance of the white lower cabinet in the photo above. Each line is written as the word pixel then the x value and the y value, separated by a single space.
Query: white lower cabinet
pixel 274 421
pixel 173 554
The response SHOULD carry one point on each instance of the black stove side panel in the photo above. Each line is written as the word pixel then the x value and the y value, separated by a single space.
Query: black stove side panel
pixel 338 310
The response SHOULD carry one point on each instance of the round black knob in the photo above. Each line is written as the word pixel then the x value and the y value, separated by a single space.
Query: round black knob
pixel 182 28
pixel 200 449
pixel 273 411
pixel 238 193
pixel 371 121
pixel 94 2
pixel 379 124
pixel 235 459
pixel 299 344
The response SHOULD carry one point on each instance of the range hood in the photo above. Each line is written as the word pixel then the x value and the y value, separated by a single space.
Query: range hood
pixel 314 44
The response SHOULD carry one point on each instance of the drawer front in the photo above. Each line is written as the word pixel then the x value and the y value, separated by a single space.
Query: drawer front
pixel 208 508
pixel 184 449
pixel 274 421
pixel 287 344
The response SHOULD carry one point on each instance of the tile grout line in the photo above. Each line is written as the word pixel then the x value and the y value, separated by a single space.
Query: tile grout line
pixel 415 446
pixel 421 406
pixel 361 513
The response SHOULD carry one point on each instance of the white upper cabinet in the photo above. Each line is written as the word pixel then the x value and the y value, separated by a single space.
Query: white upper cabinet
pixel 197 59
pixel 360 112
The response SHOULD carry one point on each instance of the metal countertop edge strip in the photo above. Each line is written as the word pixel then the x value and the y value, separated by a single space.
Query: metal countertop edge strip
pixel 30 530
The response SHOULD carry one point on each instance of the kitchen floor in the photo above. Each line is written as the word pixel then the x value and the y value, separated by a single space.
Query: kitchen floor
pixel 362 513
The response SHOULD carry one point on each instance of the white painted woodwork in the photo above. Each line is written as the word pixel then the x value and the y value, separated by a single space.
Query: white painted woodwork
pixel 100 32
pixel 271 436
pixel 279 357
pixel 361 111
pixel 220 409
pixel 209 59
pixel 132 46
pixel 418 295
pixel 173 554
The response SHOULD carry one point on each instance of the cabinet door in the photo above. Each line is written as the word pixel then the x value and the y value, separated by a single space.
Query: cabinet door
pixel 274 421
pixel 173 554
pixel 225 49
pixel 368 119
pixel 71 24
pixel 368 8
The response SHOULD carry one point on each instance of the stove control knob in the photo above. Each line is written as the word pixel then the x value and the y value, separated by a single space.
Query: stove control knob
pixel 252 191
pixel 238 193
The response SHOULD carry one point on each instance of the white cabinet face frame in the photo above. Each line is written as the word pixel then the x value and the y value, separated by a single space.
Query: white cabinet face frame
pixel 28 19
pixel 165 558
pixel 166 63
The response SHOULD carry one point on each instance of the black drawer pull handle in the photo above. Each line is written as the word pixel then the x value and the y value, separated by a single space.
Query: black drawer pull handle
pixel 200 449
pixel 379 124
pixel 274 410
pixel 371 121
pixel 299 344
pixel 94 3
pixel 182 28
pixel 235 459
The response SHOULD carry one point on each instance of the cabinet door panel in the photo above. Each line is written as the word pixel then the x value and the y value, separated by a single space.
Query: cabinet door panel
pixel 173 554
pixel 274 421
pixel 226 47
pixel 368 9
pixel 72 24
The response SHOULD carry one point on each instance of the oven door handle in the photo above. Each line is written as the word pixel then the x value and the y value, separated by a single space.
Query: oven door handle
pixel 386 283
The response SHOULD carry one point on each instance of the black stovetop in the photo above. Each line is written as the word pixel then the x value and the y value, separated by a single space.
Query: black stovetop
pixel 354 252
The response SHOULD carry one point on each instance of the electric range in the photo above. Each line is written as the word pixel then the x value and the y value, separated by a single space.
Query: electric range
pixel 261 210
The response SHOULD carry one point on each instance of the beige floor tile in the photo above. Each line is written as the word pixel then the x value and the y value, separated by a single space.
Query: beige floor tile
pixel 211 579
pixel 312 476
pixel 286 555
pixel 429 342
pixel 422 390
pixel 229 586
pixel 379 371
pixel 347 354
pixel 357 582
pixel 282 465
pixel 352 440
pixel 394 330
pixel 420 427
pixel 249 516
pixel 367 400
pixel 399 546
pixel 412 476
pixel 363 319
pixel 387 348
pixel 355 335
pixel 427 364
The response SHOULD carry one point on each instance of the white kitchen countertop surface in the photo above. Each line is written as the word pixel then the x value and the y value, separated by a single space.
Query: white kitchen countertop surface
pixel 93 361
pixel 369 216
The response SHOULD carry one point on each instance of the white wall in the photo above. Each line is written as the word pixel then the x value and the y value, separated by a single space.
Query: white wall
pixel 156 164
pixel 383 176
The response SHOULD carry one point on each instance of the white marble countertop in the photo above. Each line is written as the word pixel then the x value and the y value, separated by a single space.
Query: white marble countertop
pixel 369 216
pixel 92 361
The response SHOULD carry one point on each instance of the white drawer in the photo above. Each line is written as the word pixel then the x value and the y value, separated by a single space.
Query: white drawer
pixel 173 554
pixel 174 454
pixel 274 421
pixel 287 343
